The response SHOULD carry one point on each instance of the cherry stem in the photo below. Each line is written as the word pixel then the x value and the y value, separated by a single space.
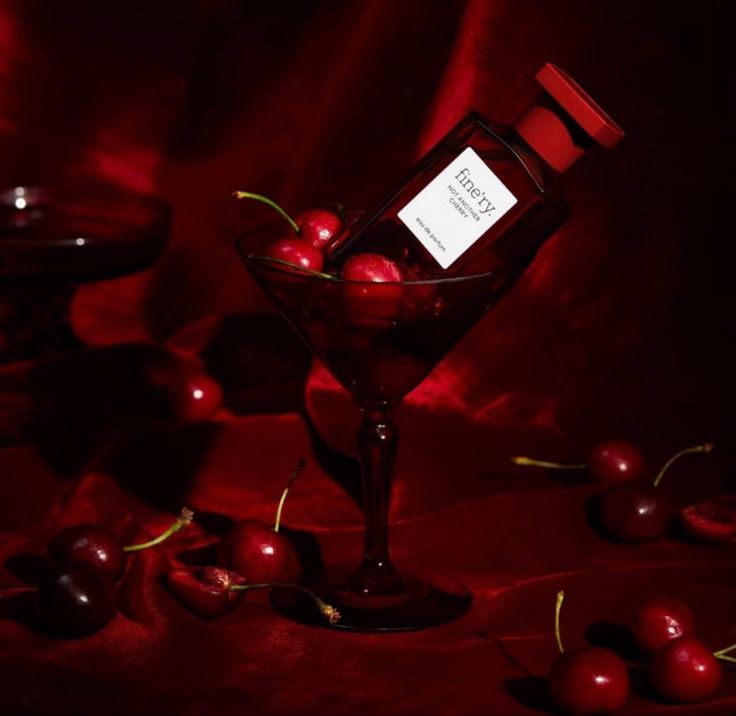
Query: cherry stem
pixel 300 269
pixel 297 471
pixel 558 608
pixel 272 204
pixel 719 654
pixel 705 448
pixel 723 657
pixel 521 460
pixel 326 610
pixel 185 518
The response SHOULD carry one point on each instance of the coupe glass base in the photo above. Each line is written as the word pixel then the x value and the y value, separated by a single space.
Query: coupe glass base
pixel 418 601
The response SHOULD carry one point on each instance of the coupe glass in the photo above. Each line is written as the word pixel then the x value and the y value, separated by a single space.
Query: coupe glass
pixel 52 239
pixel 379 341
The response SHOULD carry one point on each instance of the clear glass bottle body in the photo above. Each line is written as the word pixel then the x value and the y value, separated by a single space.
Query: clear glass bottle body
pixel 509 244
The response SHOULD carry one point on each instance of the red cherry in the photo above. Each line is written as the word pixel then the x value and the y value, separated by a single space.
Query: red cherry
pixel 590 680
pixel 634 512
pixel 297 252
pixel 659 620
pixel 685 671
pixel 610 461
pixel 261 554
pixel 91 545
pixel 196 397
pixel 205 590
pixel 373 296
pixel 99 549
pixel 371 268
pixel 615 461
pixel 318 227
pixel 708 522
pixel 76 602
pixel 258 553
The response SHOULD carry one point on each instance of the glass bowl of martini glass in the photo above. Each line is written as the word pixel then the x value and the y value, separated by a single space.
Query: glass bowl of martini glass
pixel 379 341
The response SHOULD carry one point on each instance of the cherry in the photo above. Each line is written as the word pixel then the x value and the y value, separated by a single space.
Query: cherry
pixel 659 620
pixel 100 549
pixel 588 680
pixel 195 397
pixel 88 544
pixel 708 522
pixel 614 461
pixel 636 512
pixel 610 461
pixel 257 552
pixel 296 252
pixel 372 294
pixel 685 671
pixel 211 592
pixel 75 602
pixel 316 227
pixel 205 590
pixel 319 227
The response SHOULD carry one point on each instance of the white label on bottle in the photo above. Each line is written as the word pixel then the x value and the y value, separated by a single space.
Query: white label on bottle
pixel 457 207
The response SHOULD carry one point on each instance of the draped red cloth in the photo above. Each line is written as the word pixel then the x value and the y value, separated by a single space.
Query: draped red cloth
pixel 621 328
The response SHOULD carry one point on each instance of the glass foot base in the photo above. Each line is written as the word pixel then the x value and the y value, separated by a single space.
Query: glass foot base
pixel 420 601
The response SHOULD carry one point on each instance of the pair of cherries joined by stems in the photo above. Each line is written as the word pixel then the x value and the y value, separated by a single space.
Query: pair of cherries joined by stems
pixel 372 296
pixel 315 230
pixel 633 510
pixel 77 597
pixel 250 556
pixel 595 680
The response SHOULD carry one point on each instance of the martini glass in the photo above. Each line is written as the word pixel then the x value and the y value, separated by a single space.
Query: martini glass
pixel 379 340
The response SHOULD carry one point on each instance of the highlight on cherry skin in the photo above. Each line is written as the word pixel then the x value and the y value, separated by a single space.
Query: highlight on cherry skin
pixel 639 511
pixel 607 462
pixel 587 680
pixel 258 552
pixel 195 397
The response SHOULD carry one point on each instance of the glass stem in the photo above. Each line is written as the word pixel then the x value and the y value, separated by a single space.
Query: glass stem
pixel 377 443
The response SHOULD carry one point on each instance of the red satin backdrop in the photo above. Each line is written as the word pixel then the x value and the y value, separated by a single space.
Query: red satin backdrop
pixel 622 327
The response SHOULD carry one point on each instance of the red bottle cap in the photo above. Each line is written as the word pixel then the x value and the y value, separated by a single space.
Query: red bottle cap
pixel 579 105
pixel 547 130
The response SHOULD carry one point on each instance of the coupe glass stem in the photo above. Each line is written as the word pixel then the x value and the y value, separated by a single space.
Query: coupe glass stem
pixel 377 443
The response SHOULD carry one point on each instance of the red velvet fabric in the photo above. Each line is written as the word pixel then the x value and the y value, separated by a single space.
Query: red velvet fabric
pixel 622 327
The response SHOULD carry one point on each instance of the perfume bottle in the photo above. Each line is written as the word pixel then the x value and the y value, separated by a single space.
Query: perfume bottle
pixel 486 196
